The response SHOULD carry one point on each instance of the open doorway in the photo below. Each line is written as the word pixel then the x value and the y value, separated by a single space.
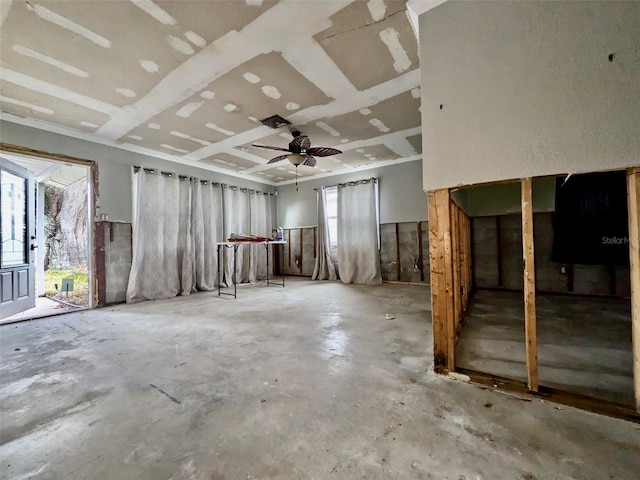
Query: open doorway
pixel 60 237
pixel 582 286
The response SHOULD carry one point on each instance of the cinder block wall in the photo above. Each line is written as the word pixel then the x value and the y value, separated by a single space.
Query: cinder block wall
pixel 113 261
pixel 497 260
pixel 400 247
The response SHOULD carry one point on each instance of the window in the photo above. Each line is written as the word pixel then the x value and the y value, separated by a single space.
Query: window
pixel 331 195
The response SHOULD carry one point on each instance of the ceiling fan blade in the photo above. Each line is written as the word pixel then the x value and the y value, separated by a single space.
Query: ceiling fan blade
pixel 322 151
pixel 310 161
pixel 277 159
pixel 270 148
pixel 299 143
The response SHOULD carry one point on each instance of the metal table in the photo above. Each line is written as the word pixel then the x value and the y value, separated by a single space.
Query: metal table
pixel 234 246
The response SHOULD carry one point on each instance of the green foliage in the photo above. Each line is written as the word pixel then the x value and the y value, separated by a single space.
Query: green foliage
pixel 54 277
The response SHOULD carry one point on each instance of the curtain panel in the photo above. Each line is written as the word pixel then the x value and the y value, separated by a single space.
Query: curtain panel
pixel 358 250
pixel 177 223
pixel 323 268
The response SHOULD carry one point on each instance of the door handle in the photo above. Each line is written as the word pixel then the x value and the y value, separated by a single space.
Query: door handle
pixel 33 247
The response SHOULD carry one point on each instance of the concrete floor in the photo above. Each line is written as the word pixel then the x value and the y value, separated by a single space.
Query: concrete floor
pixel 45 307
pixel 309 381
pixel 584 343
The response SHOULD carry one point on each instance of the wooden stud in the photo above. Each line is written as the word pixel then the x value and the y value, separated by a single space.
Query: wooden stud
pixel 301 248
pixel 455 258
pixel 437 281
pixel 420 257
pixel 633 202
pixel 398 266
pixel 529 285
pixel 499 249
pixel 445 205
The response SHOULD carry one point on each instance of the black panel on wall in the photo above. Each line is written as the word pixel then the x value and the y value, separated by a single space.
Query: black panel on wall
pixel 591 226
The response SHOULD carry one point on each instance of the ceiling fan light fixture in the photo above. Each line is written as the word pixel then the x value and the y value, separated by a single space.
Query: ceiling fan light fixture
pixel 296 158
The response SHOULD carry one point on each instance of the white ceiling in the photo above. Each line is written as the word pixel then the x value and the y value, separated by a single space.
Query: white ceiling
pixel 189 80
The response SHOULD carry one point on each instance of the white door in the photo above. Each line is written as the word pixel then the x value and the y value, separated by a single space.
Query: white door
pixel 17 237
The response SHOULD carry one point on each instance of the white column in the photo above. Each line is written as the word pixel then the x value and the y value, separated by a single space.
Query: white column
pixel 40 240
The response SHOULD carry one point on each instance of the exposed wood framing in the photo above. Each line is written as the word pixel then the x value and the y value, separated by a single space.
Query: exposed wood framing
pixel 301 248
pixel 450 258
pixel 398 265
pixel 499 250
pixel 420 257
pixel 529 285
pixel 633 198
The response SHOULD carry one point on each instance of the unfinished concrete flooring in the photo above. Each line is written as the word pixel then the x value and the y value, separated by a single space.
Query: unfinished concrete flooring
pixel 584 343
pixel 309 381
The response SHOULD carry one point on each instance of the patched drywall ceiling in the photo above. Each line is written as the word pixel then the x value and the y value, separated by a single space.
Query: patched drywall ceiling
pixel 189 81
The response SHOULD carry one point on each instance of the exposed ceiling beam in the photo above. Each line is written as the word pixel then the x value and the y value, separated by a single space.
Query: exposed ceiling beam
pixel 50 170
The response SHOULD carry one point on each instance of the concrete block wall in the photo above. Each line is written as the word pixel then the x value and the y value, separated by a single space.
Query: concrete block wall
pixel 497 260
pixel 113 261
pixel 299 252
pixel 299 257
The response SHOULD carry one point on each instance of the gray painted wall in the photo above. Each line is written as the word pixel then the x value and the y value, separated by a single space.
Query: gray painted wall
pixel 114 166
pixel 527 89
pixel 401 196
pixel 506 198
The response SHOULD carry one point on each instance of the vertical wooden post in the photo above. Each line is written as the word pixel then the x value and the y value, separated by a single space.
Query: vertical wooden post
pixel 441 274
pixel 633 198
pixel 529 285
pixel 398 264
pixel 420 257
pixel 455 257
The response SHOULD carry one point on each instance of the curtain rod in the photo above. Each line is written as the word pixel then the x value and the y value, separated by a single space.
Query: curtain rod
pixel 349 184
pixel 137 168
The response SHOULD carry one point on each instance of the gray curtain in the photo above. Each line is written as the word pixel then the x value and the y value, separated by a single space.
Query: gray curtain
pixel 261 224
pixel 158 241
pixel 177 223
pixel 206 232
pixel 358 250
pixel 323 268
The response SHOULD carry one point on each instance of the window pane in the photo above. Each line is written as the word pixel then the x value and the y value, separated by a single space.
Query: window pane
pixel 14 219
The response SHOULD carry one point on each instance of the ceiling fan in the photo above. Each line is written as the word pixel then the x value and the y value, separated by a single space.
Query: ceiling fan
pixel 300 152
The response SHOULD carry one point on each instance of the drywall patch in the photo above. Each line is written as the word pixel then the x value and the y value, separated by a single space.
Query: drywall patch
pixel 196 39
pixel 292 106
pixel 365 111
pixel 173 149
pixel 230 107
pixel 271 91
pixel 20 103
pixel 377 9
pixel 188 109
pixel 155 11
pixel 189 137
pixel 134 137
pixel 401 61
pixel 53 17
pixel 180 45
pixel 379 125
pixel 27 52
pixel 328 129
pixel 126 92
pixel 154 126
pixel 251 77
pixel 88 124
pixel 208 94
pixel 213 126
pixel 149 65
